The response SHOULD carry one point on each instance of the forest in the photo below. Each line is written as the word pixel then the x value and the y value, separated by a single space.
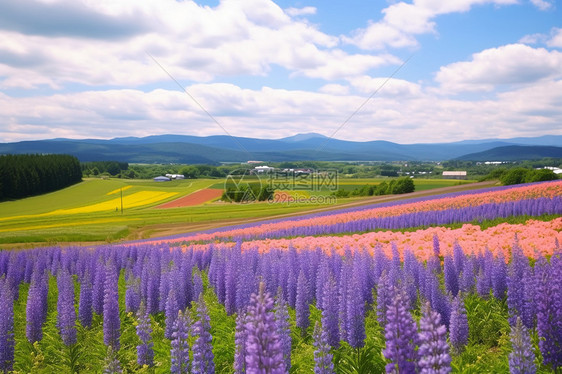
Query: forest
pixel 29 174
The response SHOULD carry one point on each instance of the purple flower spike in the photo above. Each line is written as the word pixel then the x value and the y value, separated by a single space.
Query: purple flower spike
pixel 302 304
pixel 401 336
pixel 458 327
pixel 66 313
pixel 283 327
pixel 240 342
pixel 6 327
pixel 202 349
pixel 322 357
pixel 145 353
pixel 264 353
pixel 433 352
pixel 521 358
pixel 111 321
pixel 180 345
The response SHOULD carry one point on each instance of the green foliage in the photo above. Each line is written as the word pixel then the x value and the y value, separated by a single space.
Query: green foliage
pixel 28 175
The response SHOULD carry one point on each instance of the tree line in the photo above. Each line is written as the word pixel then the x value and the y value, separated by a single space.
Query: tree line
pixel 31 174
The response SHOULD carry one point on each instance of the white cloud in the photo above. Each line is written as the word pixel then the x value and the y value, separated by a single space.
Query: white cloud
pixel 334 89
pixel 506 65
pixel 403 112
pixel 555 38
pixel 542 4
pixel 305 11
pixel 402 22
pixel 195 43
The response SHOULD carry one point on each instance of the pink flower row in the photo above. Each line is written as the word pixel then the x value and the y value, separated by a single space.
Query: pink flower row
pixel 549 190
pixel 534 237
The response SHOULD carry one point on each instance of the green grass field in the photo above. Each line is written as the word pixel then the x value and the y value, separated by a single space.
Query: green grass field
pixel 90 211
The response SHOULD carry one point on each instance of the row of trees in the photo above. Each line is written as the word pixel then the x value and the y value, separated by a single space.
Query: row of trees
pixel 95 168
pixel 395 186
pixel 248 192
pixel 27 175
pixel 522 175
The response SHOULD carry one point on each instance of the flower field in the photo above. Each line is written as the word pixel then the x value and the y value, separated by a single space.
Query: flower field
pixel 380 288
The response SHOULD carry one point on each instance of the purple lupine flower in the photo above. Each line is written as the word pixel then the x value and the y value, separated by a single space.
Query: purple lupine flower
pixel 112 364
pixel 145 353
pixel 439 301
pixel 433 351
pixel 321 279
pixel 499 277
pixel 172 309
pixel 302 304
pixel 528 313
pixel 401 335
pixel 264 353
pixel 132 294
pixel 244 288
pixel 384 298
pixel 111 321
pixel 515 285
pixel 35 310
pixel 345 274
pixel 450 276
pixel 152 274
pixel 549 313
pixel 467 276
pixel 197 285
pixel 458 327
pixel 97 287
pixel 355 318
pixel 283 327
pixel 436 250
pixel 322 357
pixel 240 335
pixel 330 313
pixel 7 342
pixel 292 289
pixel 85 303
pixel 483 284
pixel 202 349
pixel 459 257
pixel 66 314
pixel 521 358
pixel 230 279
pixel 180 346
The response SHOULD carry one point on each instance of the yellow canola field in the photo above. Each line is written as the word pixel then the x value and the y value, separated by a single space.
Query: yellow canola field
pixel 130 201
pixel 118 190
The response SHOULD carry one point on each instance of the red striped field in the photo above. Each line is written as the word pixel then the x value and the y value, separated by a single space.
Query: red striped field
pixel 195 198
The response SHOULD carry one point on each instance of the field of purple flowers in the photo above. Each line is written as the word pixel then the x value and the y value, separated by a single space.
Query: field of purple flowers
pixel 158 308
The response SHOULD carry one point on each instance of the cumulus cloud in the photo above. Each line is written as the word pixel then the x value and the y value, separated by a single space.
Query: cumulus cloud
pixel 294 12
pixel 555 38
pixel 402 22
pixel 403 112
pixel 542 4
pixel 46 45
pixel 506 65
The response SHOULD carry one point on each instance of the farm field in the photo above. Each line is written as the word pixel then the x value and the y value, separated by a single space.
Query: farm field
pixel 364 289
pixel 91 211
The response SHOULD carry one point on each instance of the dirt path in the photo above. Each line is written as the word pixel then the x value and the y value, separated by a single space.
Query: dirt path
pixel 195 198
pixel 154 231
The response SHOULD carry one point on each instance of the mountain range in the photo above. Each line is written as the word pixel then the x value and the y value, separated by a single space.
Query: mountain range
pixel 221 148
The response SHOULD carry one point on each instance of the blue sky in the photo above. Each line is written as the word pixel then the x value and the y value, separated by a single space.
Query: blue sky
pixel 477 68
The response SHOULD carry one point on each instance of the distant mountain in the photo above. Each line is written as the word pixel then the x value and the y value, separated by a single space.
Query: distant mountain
pixel 222 148
pixel 301 137
pixel 514 153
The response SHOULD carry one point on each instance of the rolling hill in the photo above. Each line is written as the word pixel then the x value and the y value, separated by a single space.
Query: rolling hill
pixel 222 148
pixel 514 153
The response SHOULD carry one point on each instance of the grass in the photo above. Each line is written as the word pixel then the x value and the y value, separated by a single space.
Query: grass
pixel 90 211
